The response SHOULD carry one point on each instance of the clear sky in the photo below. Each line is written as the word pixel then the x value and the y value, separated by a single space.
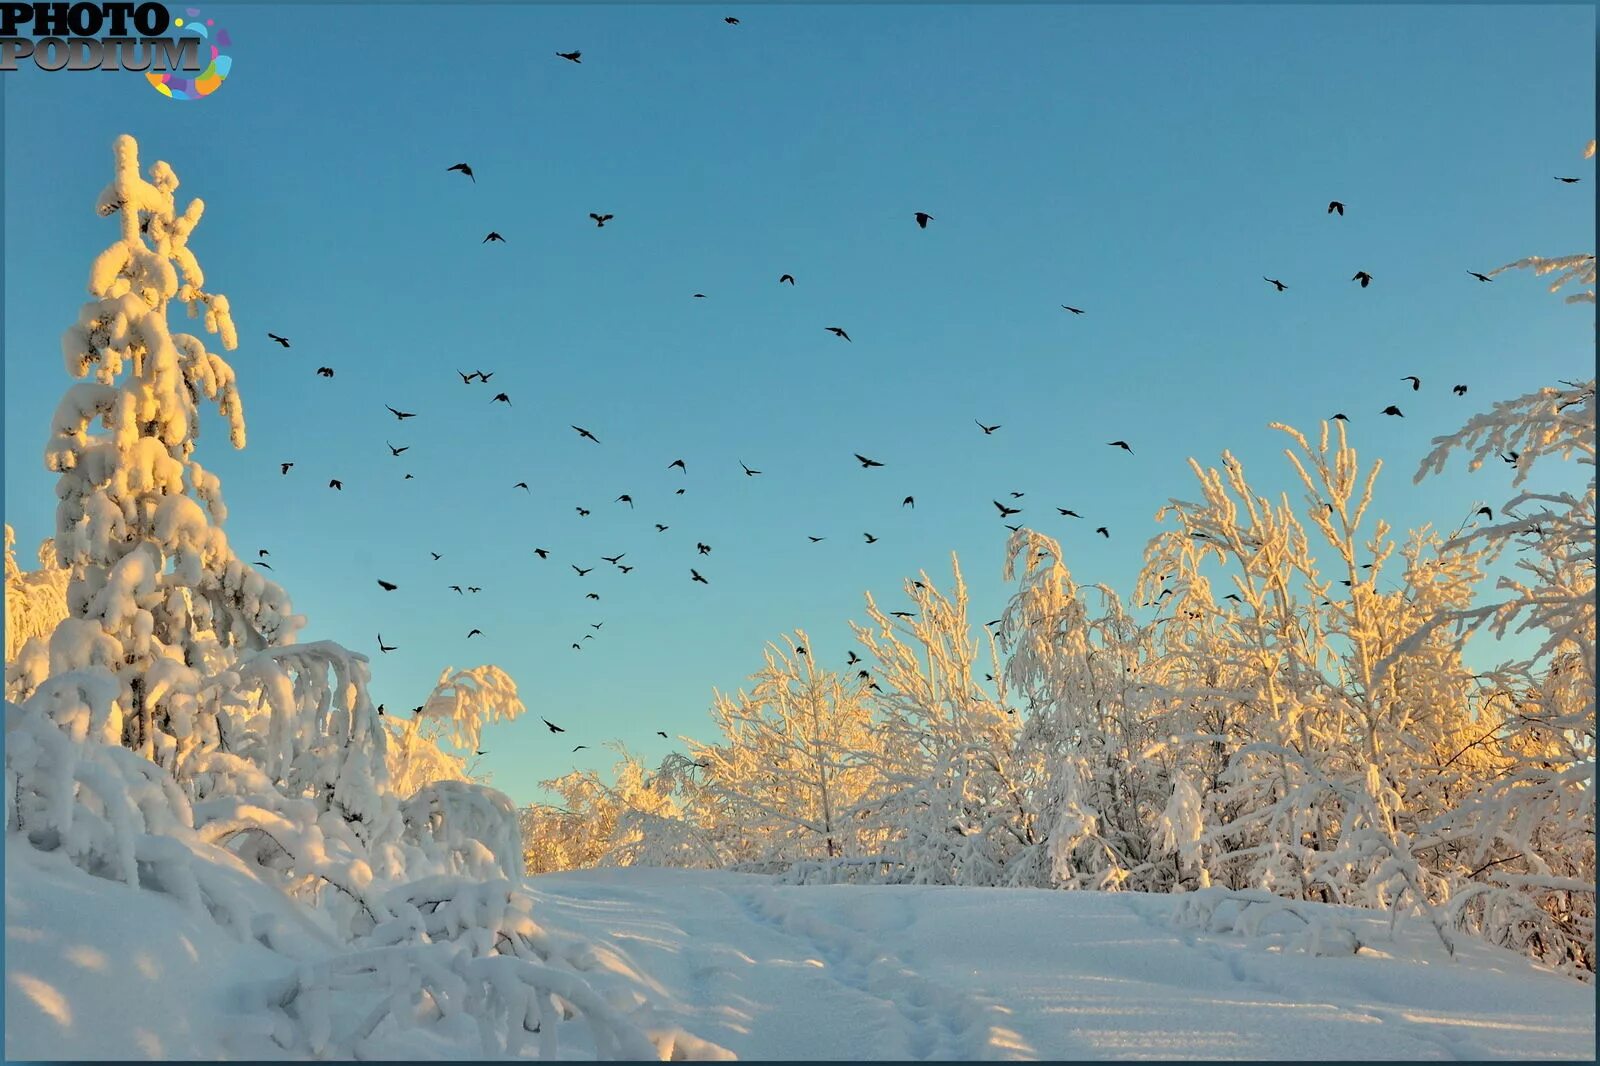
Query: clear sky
pixel 1148 164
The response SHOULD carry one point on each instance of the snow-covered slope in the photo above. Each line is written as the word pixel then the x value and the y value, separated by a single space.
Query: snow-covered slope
pixel 754 969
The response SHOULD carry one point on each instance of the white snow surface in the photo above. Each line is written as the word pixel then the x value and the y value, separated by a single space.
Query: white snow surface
pixel 727 965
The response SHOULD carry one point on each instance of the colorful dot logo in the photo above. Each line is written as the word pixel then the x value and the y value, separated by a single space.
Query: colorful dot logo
pixel 177 83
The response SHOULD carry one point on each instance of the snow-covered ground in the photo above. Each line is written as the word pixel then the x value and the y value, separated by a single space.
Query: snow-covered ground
pixel 754 969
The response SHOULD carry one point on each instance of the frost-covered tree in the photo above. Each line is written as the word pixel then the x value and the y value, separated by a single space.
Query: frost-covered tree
pixel 36 601
pixel 788 775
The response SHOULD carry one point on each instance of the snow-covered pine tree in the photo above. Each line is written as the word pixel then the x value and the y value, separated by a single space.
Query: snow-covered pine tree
pixel 36 601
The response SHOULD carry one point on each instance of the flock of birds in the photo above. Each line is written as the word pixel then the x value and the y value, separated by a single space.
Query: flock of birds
pixel 1006 510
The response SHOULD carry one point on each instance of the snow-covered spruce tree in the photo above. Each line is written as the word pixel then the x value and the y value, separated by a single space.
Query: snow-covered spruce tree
pixel 182 742
pixel 785 781
pixel 1339 725
pixel 951 796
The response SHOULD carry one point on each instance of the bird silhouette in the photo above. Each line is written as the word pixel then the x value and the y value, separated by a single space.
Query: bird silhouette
pixel 1340 417
pixel 464 169
pixel 396 451
pixel 335 483
pixel 1018 495
pixel 785 277
pixel 580 747
pixel 325 371
pixel 837 332
pixel 577 647
pixel 552 726
pixel 1104 532
pixel 1393 410
pixel 596 625
pixel 601 220
pixel 262 553
pixel 867 464
pixel 470 634
pixel 474 588
pixel 730 20
pixel 281 340
pixel 456 589
pixel 1006 512
pixel 747 471
pixel 493 236
pixel 387 586
pixel 986 429
pixel 694 575
pixel 624 569
pixel 614 559
pixel 1570 181
pixel 1486 512
pixel 585 434
pixel 284 467
pixel 662 735
pixel 264 566
pixel 1273 281
pixel 1074 310
pixel 401 415
pixel 581 571
pixel 815 540
pixel 1363 277
pixel 481 376
pixel 923 218
pixel 592 596
pixel 523 485
pixel 575 57
pixel 1416 382
pixel 583 512
pixel 408 477
pixel 1335 205
pixel 501 397
pixel 1068 514
pixel 466 379
pixel 909 501
pixel 1480 277
pixel 624 498
pixel 698 296
pixel 679 464
pixel 543 553
pixel 703 549
pixel 902 614
pixel 1120 444
pixel 1459 390
pixel 386 647
pixel 661 528
pixel 870 538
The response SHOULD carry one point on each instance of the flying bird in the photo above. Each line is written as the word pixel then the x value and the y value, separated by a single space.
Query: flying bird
pixel 923 218
pixel 552 726
pixel 866 463
pixel 335 483
pixel 679 464
pixel 401 415
pixel 523 485
pixel 786 277
pixel 1393 410
pixel 1480 277
pixel 747 471
pixel 694 575
pixel 1363 277
pixel 909 501
pixel 474 588
pixel 581 572
pixel 501 397
pixel 815 540
pixel 1006 512
pixel 870 538
pixel 837 332
pixel 1335 205
pixel 385 647
pixel 493 236
pixel 986 429
pixel 583 512
pixel 284 467
pixel 262 553
pixel 601 220
pixel 281 340
pixel 1273 281
pixel 264 566
pixel 1570 181
pixel 1074 310
pixel 730 20
pixel 1120 444
pixel 325 371
pixel 1340 417
pixel 387 586
pixel 456 589
pixel 470 634
pixel 586 434
pixel 703 549
pixel 614 559
pixel 580 747
pixel 1486 512
pixel 396 451
pixel 576 57
pixel 481 376
pixel 543 553
pixel 1068 514
pixel 661 528
pixel 659 733
pixel 1104 532
pixel 624 569
pixel 464 169
pixel 1459 390
pixel 624 498
pixel 1416 382
pixel 592 596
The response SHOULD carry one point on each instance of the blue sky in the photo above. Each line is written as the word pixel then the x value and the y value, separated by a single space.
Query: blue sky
pixel 1148 164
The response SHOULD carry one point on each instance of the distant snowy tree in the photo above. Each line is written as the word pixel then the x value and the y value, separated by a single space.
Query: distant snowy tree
pixel 36 601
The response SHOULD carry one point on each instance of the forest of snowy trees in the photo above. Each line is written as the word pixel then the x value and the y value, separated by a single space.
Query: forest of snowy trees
pixel 1300 716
